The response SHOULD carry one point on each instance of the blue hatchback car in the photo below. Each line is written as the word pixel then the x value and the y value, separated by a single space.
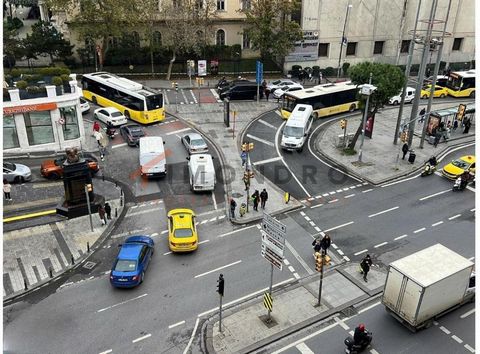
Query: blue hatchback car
pixel 132 262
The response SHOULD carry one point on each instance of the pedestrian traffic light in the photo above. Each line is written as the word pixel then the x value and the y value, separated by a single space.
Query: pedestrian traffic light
pixel 326 260
pixel 89 187
pixel 176 86
pixel 173 84
pixel 244 147
pixel 221 285
pixel 343 123
pixel 318 262
pixel 250 146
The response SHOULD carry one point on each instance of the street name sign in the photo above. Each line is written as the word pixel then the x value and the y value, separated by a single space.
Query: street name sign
pixel 273 240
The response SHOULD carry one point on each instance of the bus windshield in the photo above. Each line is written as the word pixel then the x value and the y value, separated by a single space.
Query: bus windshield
pixel 454 82
pixel 154 101
pixel 289 103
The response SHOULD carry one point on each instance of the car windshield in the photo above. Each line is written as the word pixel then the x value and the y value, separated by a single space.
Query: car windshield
pixel 460 164
pixel 125 265
pixel 10 166
pixel 137 132
pixel 183 233
pixel 116 114
pixel 276 82
pixel 295 132
pixel 82 100
pixel 197 142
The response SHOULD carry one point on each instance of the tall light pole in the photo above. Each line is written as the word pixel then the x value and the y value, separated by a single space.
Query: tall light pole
pixel 367 90
pixel 343 41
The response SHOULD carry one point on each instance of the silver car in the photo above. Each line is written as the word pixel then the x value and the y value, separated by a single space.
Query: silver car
pixel 15 172
pixel 194 143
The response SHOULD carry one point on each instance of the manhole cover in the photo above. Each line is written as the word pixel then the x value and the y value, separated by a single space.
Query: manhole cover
pixel 89 265
pixel 237 195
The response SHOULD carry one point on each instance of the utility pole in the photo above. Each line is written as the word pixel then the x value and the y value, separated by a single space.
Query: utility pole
pixel 366 90
pixel 247 147
pixel 343 40
pixel 220 291
pixel 89 188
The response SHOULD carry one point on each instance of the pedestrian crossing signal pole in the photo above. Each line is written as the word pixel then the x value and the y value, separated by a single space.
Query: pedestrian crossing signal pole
pixel 220 291
pixel 321 260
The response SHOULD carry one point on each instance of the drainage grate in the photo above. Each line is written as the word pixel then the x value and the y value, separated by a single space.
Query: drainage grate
pixel 89 265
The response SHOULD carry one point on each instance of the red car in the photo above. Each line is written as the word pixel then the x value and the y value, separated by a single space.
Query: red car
pixel 53 169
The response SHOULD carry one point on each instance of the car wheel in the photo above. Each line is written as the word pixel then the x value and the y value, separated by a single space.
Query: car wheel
pixel 143 276
pixel 472 95
pixel 424 97
pixel 54 176
pixel 352 108
pixel 315 115
pixel 94 99
pixel 126 114
pixel 442 95
pixel 95 116
pixel 18 179
pixel 395 102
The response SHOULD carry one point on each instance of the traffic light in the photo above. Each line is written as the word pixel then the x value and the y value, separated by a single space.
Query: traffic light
pixel 251 174
pixel 404 136
pixel 343 123
pixel 220 285
pixel 318 262
pixel 250 146
pixel 89 187
pixel 176 86
pixel 326 260
pixel 244 147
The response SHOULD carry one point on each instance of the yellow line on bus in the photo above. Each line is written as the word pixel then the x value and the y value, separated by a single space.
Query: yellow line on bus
pixel 28 216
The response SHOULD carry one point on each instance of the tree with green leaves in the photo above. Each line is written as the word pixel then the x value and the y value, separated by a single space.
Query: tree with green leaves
pixel 12 46
pixel 388 79
pixel 269 28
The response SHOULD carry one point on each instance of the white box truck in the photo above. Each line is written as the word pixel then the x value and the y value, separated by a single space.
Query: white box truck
pixel 153 162
pixel 427 284
pixel 202 172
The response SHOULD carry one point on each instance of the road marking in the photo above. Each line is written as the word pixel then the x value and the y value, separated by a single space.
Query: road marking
pixel 472 209
pixel 339 190
pixel 121 303
pixel 32 215
pixel 339 226
pixel 317 229
pixel 304 349
pixel 221 217
pixel 138 231
pixel 212 219
pixel 204 241
pixel 373 351
pixel 119 145
pixel 302 213
pixel 235 231
pixel 334 246
pixel 471 259
pixel 312 223
pixel 360 252
pixel 434 195
pixel 318 197
pixel 369 307
pixel 287 263
pixel 178 131
pixel 215 94
pixel 164 232
pixel 106 351
pixel 325 194
pixel 298 258
pixel 331 193
pixel 346 258
pixel 203 222
pixel 273 159
pixel 383 212
pixel 193 96
pixel 454 217
pixel 176 324
pixel 333 201
pixel 141 212
pixel 269 143
pixel 456 339
pixel 419 230
pixel 380 244
pixel 400 237
pixel 316 206
pixel 278 112
pixel 267 124
pixel 437 223
pixel 141 338
pixel 154 234
pixel 217 269
pixel 291 269
pixel 340 252
pixel 468 313
pixel 367 190
pixel 47 184
pixel 307 218
pixel 214 201
pixel 296 275
pixel 469 348
pixel 401 181
pixel 167 253
pixel 470 188
pixel 443 329
pixel 349 196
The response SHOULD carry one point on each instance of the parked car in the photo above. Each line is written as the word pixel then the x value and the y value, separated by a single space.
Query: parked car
pixel 84 105
pixel 272 86
pixel 132 134
pixel 132 261
pixel 110 115
pixel 439 91
pixel 53 169
pixel 194 143
pixel 278 93
pixel 457 167
pixel 242 91
pixel 226 85
pixel 441 80
pixel 16 172
pixel 182 232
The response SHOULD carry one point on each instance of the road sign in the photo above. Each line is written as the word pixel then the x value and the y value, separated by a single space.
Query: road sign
pixel 274 228
pixel 268 301
pixel 271 257
pixel 259 72
pixel 273 240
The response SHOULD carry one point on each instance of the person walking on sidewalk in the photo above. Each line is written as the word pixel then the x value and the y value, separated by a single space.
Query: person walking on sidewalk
pixel 422 115
pixel 263 198
pixel 96 127
pixel 317 245
pixel 7 188
pixel 365 264
pixel 101 214
pixel 325 243
pixel 404 150
pixel 233 205
pixel 108 211
pixel 243 156
pixel 467 124
pixel 255 198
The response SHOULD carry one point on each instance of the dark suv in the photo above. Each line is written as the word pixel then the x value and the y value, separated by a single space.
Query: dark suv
pixel 242 91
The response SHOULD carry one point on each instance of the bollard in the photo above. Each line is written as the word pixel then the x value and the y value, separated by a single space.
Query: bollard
pixel 25 283
pixel 88 247
pixel 50 271
pixel 121 192
pixel 103 177
pixel 116 185
pixel 121 200
pixel 116 212
pixel 73 260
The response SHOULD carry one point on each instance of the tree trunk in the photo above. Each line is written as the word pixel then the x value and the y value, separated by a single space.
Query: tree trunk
pixel 355 137
pixel 170 65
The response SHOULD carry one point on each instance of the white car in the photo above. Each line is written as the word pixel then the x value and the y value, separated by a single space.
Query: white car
pixel 410 95
pixel 278 93
pixel 110 115
pixel 279 84
pixel 84 105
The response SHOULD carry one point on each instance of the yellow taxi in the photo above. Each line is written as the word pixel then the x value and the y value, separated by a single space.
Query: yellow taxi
pixel 455 168
pixel 439 91
pixel 182 232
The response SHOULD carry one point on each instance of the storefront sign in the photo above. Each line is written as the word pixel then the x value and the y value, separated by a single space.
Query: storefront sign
pixel 202 68
pixel 306 49
pixel 30 108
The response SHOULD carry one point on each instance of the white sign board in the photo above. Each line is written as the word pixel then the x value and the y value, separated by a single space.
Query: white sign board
pixel 202 68
pixel 273 240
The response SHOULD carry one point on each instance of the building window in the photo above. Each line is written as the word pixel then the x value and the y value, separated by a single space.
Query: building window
pixel 39 127
pixel 457 43
pixel 157 39
pixel 70 128
pixel 10 136
pixel 405 46
pixel 220 38
pixel 246 41
pixel 378 48
pixel 323 49
pixel 246 4
pixel 221 5
pixel 351 48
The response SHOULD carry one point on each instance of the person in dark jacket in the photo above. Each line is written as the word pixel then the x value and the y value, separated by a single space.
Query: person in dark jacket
pixel 108 211
pixel 365 265
pixel 233 205
pixel 256 199
pixel 101 214
pixel 404 150
pixel 263 197
pixel 317 245
pixel 326 242
pixel 360 336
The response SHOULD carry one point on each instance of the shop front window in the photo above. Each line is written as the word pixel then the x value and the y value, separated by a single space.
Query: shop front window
pixel 70 127
pixel 10 137
pixel 39 128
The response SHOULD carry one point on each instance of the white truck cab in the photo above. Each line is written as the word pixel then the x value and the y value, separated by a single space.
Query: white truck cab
pixel 201 172
pixel 297 128
pixel 409 96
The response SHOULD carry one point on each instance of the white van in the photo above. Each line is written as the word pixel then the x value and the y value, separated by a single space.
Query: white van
pixel 152 156
pixel 408 97
pixel 202 172
pixel 297 128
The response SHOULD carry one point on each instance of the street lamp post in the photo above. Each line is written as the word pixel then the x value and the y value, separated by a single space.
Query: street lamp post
pixel 343 40
pixel 368 91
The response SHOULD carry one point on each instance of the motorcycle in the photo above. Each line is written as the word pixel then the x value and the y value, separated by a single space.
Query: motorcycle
pixel 460 184
pixel 111 132
pixel 428 170
pixel 353 348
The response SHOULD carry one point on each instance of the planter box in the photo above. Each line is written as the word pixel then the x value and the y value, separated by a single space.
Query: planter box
pixel 24 95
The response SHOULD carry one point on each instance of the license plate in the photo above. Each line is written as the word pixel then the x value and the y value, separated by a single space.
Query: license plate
pixel 122 279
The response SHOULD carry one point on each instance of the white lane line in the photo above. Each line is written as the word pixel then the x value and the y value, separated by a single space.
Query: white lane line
pixel 214 201
pixel 221 217
pixel 346 189
pixel 318 197
pixel 204 241
pixel 367 190
pixel 317 229
pixel 215 94
pixel 468 313
pixel 291 269
pixel 469 348
pixel 471 259
pixel 164 232
pixel 454 217
pixel 369 307
pixel 380 244
pixel 365 183
pixel 217 269
pixel 443 329
pixel 472 209
pixel 269 143
pixel 154 234
pixel 119 145
pixel 304 349
pixel 358 185
pixel 346 258
pixel 333 192
pixel 296 275
pixel 339 226
pixel 400 237
pixel 383 212
pixel 287 263
pixel 456 339
pixel 360 252
pixel 166 97
pixel 316 206
pixel 235 231
pixel 193 96
pixel 178 131
pixel 121 303
pixel 339 190
pixel 302 213
pixel 298 258
pixel 373 351
pixel 340 252
pixel 141 338
pixel 349 196
pixel 419 230
pixel 325 195
pixel 141 212
pixel 203 222
pixel 401 181
pixel 212 219
pixel 106 351
pixel 167 253
pixel 312 223
pixel 176 324
pixel 192 336
pixel 334 246
pixel 333 201
pixel 471 189
pixel 267 124
pixel 307 218
pixel 353 187
pixel 437 223
pixel 434 195
pixel 262 162
pixel 244 297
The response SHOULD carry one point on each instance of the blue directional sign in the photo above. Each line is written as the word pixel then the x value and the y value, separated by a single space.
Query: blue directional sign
pixel 259 72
